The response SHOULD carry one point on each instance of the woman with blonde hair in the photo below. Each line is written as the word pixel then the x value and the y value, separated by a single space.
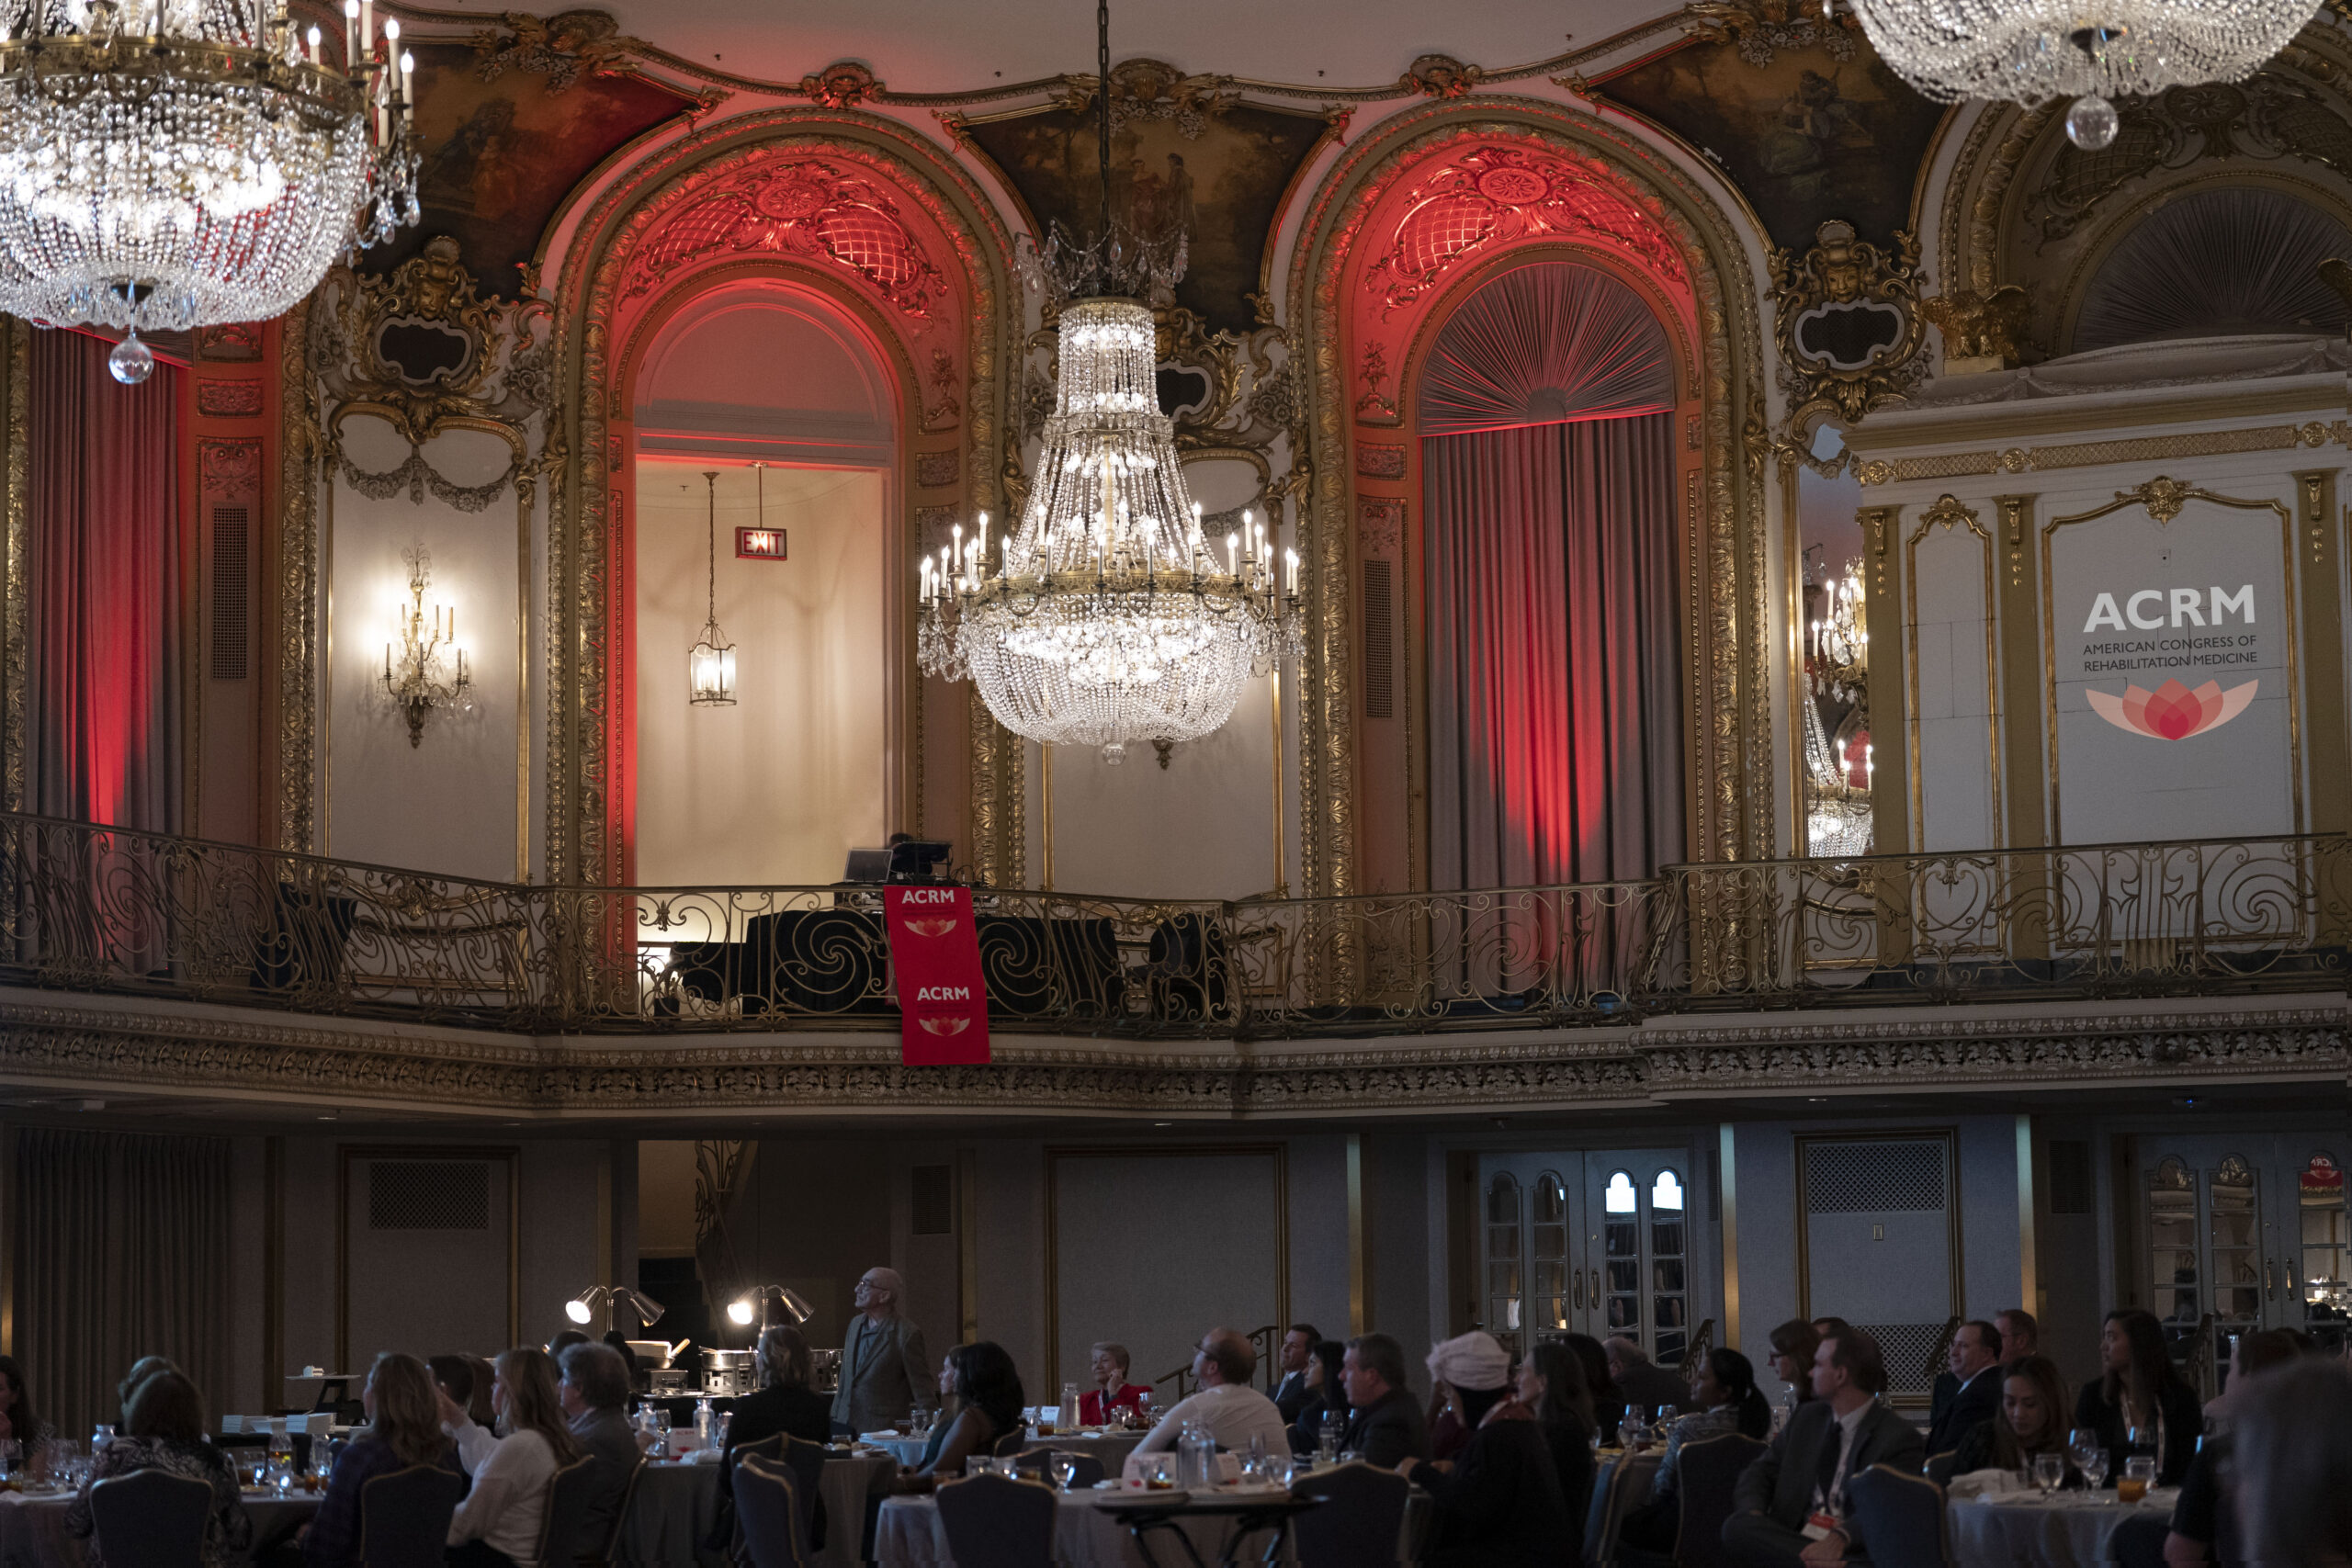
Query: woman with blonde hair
pixel 403 1430
pixel 499 1523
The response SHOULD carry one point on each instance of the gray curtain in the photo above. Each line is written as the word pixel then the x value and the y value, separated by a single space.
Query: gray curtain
pixel 122 1251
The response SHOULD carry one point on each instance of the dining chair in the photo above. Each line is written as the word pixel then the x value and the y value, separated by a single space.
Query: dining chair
pixel 1901 1517
pixel 151 1518
pixel 1009 1446
pixel 807 1461
pixel 1706 1476
pixel 1625 1487
pixel 404 1517
pixel 1085 1468
pixel 605 1550
pixel 1362 1519
pixel 569 1491
pixel 767 1509
pixel 993 1522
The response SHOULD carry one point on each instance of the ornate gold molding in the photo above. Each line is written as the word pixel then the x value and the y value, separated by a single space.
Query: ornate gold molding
pixel 226 1056
pixel 1845 284
pixel 2093 454
pixel 1981 332
pixel 16 360
pixel 1759 29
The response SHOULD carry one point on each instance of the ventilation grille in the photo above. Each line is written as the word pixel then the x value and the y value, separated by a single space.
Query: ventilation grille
pixel 1379 640
pixel 934 1201
pixel 428 1195
pixel 2070 1176
pixel 231 528
pixel 1909 1348
pixel 1850 1178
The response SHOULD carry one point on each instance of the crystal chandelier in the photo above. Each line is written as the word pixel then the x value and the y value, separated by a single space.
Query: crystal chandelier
pixel 1106 617
pixel 710 663
pixel 2030 51
pixel 175 163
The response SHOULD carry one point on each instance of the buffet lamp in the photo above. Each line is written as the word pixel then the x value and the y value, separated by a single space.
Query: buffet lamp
pixel 769 1305
pixel 582 1307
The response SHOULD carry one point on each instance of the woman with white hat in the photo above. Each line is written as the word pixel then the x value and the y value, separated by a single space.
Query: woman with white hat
pixel 1498 1505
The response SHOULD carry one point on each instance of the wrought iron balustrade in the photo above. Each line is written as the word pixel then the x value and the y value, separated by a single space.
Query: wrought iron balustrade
pixel 93 908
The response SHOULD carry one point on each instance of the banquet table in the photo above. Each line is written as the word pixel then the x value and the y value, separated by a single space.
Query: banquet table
pixel 675 1504
pixel 1085 1536
pixel 33 1527
pixel 1110 1447
pixel 2071 1530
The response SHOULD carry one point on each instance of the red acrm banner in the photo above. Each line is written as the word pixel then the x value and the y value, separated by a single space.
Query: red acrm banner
pixel 935 953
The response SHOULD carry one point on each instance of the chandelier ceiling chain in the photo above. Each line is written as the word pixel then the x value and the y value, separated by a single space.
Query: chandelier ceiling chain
pixel 2028 52
pixel 1104 617
pixel 710 663
pixel 176 164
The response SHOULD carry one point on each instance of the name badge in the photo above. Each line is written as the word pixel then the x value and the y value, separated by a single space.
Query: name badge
pixel 1822 1524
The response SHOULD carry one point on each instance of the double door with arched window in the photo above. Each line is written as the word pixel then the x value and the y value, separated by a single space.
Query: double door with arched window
pixel 1598 1243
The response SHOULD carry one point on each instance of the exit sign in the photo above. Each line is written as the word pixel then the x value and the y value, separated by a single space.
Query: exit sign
pixel 759 544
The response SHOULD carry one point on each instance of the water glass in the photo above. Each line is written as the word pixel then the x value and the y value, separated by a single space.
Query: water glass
pixel 1061 1467
pixel 1326 1440
pixel 2049 1470
pixel 2094 1467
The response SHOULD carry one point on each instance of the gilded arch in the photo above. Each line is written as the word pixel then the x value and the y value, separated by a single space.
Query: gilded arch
pixel 587 714
pixel 1729 669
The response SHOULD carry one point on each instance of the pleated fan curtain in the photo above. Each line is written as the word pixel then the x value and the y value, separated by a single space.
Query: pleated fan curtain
pixel 122 1251
pixel 1554 671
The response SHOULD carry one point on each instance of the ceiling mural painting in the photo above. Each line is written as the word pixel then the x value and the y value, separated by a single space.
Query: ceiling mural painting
pixel 1185 153
pixel 509 123
pixel 1816 128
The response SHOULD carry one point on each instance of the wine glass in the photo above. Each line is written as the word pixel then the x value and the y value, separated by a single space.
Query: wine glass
pixel 1061 1467
pixel 2094 1468
pixel 2049 1470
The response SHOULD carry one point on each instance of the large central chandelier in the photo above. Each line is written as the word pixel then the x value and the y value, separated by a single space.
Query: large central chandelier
pixel 2028 52
pixel 175 163
pixel 1108 615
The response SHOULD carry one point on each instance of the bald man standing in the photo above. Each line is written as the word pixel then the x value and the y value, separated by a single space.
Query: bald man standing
pixel 885 1371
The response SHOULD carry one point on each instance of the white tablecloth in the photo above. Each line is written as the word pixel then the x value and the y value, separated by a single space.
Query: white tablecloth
pixel 670 1515
pixel 910 1536
pixel 33 1530
pixel 2071 1531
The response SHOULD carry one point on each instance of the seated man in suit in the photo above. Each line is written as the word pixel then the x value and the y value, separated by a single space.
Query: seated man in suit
pixel 1974 1362
pixel 2020 1335
pixel 886 1373
pixel 1297 1362
pixel 1789 1508
pixel 1385 1421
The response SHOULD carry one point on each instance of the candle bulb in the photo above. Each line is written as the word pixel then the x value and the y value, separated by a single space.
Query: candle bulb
pixel 368 29
pixel 408 77
pixel 984 536
pixel 1291 558
pixel 311 38
pixel 351 35
pixel 1233 549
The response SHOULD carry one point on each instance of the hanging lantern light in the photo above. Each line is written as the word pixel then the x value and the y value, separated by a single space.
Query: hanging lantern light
pixel 710 663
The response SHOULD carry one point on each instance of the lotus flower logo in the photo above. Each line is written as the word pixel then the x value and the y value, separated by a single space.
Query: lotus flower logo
pixel 2173 712
pixel 944 1026
pixel 931 928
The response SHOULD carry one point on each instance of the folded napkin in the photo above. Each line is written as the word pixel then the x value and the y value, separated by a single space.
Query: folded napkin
pixel 1976 1484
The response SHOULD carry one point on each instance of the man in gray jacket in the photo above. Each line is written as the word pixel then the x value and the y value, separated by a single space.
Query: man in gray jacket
pixel 1788 1508
pixel 594 1392
pixel 886 1373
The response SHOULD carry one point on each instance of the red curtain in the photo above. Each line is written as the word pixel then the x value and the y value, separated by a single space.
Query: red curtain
pixel 1555 679
pixel 103 677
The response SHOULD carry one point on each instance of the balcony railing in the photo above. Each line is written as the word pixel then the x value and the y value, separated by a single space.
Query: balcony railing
pixel 101 909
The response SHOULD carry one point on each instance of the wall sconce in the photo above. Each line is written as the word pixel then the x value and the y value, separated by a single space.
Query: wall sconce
pixel 418 677
pixel 710 663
